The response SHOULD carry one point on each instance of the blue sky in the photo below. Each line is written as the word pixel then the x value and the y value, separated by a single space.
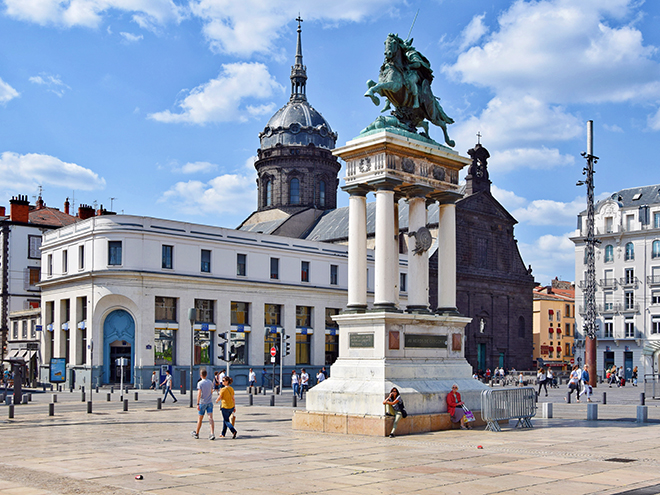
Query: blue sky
pixel 158 103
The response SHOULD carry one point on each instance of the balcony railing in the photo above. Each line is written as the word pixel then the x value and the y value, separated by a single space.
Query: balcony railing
pixel 608 283
pixel 630 308
pixel 628 282
pixel 653 279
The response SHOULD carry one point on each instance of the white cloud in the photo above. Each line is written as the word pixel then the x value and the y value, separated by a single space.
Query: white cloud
pixel 508 199
pixel 221 99
pixel 53 83
pixel 549 212
pixel 612 128
pixel 196 167
pixel 228 194
pixel 25 172
pixel 564 51
pixel 7 92
pixel 473 32
pixel 550 256
pixel 532 158
pixel 654 121
pixel 89 13
pixel 526 119
pixel 252 26
pixel 130 37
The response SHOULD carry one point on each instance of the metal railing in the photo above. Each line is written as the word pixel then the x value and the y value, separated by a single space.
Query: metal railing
pixel 608 283
pixel 653 279
pixel 508 403
pixel 628 282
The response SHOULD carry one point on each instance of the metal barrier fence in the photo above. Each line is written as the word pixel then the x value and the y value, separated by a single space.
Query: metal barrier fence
pixel 652 386
pixel 508 403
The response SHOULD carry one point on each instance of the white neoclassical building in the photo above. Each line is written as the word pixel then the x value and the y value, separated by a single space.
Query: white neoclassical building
pixel 627 226
pixel 121 286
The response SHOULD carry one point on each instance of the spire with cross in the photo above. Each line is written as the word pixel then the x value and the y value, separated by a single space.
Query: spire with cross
pixel 299 71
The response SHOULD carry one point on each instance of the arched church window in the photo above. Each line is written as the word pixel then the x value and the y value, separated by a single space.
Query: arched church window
pixel 269 192
pixel 294 192
pixel 322 194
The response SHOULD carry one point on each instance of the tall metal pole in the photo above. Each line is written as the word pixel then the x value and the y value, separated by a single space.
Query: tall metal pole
pixel 590 242
pixel 192 313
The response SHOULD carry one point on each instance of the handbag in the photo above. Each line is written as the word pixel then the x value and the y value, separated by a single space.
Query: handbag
pixel 468 414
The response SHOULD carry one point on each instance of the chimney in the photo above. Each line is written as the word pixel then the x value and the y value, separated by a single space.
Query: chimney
pixel 19 209
pixel 66 206
pixel 40 203
pixel 85 212
pixel 2 211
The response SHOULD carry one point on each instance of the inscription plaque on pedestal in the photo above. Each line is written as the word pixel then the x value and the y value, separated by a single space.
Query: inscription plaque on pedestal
pixel 361 340
pixel 422 341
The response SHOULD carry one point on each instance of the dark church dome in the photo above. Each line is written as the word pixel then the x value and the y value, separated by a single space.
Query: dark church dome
pixel 297 123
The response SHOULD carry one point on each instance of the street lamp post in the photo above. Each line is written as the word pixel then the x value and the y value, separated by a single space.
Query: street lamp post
pixel 191 317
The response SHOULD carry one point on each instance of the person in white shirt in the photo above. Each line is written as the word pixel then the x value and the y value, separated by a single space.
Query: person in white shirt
pixel 543 381
pixel 304 382
pixel 252 378
pixel 295 384
pixel 550 378
pixel 221 377
pixel 320 376
pixel 168 387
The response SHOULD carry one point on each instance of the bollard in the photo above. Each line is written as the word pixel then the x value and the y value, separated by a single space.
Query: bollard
pixel 546 410
pixel 250 399
pixel 29 397
pixel 258 390
pixel 264 390
pixel 54 398
pixel 82 396
pixel 136 396
pixel 11 411
pixel 568 397
pixel 109 397
pixel 51 409
pixel 97 390
pixel 125 404
pixel 277 390
pixel 159 403
pixel 44 387
pixel 70 389
pixel 642 414
pixel 89 407
pixel 7 399
pixel 25 399
pixel 642 399
pixel 112 390
pixel 592 412
pixel 294 403
pixel 604 398
pixel 82 389
pixel 272 400
pixel 536 397
pixel 2 397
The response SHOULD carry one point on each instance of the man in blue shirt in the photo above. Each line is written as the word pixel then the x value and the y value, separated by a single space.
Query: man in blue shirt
pixel 204 404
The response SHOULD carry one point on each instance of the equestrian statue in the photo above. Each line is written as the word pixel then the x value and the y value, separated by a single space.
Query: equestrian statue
pixel 405 81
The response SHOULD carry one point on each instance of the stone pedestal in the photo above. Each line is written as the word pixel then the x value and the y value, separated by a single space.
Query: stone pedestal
pixel 379 348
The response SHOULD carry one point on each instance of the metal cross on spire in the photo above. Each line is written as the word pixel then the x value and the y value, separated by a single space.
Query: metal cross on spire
pixel 478 137
pixel 299 19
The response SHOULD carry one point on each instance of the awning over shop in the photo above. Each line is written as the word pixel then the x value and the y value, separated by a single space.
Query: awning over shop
pixel 651 347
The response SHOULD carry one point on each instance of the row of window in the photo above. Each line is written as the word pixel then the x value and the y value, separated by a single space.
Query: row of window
pixel 24 325
pixel 294 192
pixel 629 253
pixel 557 314
pixel 552 352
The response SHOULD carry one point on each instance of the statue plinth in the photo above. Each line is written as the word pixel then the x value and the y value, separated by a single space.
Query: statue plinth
pixel 420 353
pixel 388 155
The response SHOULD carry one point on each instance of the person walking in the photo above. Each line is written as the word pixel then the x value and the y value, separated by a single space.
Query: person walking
pixel 304 382
pixel 621 377
pixel 264 376
pixel 573 383
pixel 543 381
pixel 550 378
pixel 154 381
pixel 586 388
pixel 394 406
pixel 227 406
pixel 168 387
pixel 295 384
pixel 634 376
pixel 252 378
pixel 204 404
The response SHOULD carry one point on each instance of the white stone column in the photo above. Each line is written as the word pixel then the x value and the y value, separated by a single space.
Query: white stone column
pixel 418 264
pixel 447 252
pixel 386 254
pixel 357 248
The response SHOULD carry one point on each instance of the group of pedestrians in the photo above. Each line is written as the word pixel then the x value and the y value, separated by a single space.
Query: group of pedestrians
pixel 617 376
pixel 205 401
pixel 544 377
pixel 578 382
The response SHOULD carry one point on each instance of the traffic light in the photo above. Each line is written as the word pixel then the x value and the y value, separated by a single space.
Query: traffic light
pixel 223 342
pixel 232 353
pixel 287 345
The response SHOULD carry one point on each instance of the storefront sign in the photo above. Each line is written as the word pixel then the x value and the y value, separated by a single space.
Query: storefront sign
pixel 425 341
pixel 361 340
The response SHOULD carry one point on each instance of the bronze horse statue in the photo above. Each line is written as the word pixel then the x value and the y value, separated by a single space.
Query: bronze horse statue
pixel 405 80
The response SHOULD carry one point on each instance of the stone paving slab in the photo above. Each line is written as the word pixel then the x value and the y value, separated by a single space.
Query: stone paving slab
pixel 75 452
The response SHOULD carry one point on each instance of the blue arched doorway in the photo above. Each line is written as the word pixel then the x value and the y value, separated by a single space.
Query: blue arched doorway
pixel 118 341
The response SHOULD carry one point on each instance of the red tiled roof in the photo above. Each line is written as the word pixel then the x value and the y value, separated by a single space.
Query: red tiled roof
pixel 51 217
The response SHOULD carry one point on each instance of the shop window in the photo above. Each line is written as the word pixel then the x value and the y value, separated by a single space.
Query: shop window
pixel 204 311
pixel 164 347
pixel 166 309
pixel 240 313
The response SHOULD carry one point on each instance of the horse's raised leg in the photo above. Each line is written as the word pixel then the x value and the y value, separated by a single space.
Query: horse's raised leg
pixel 450 142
